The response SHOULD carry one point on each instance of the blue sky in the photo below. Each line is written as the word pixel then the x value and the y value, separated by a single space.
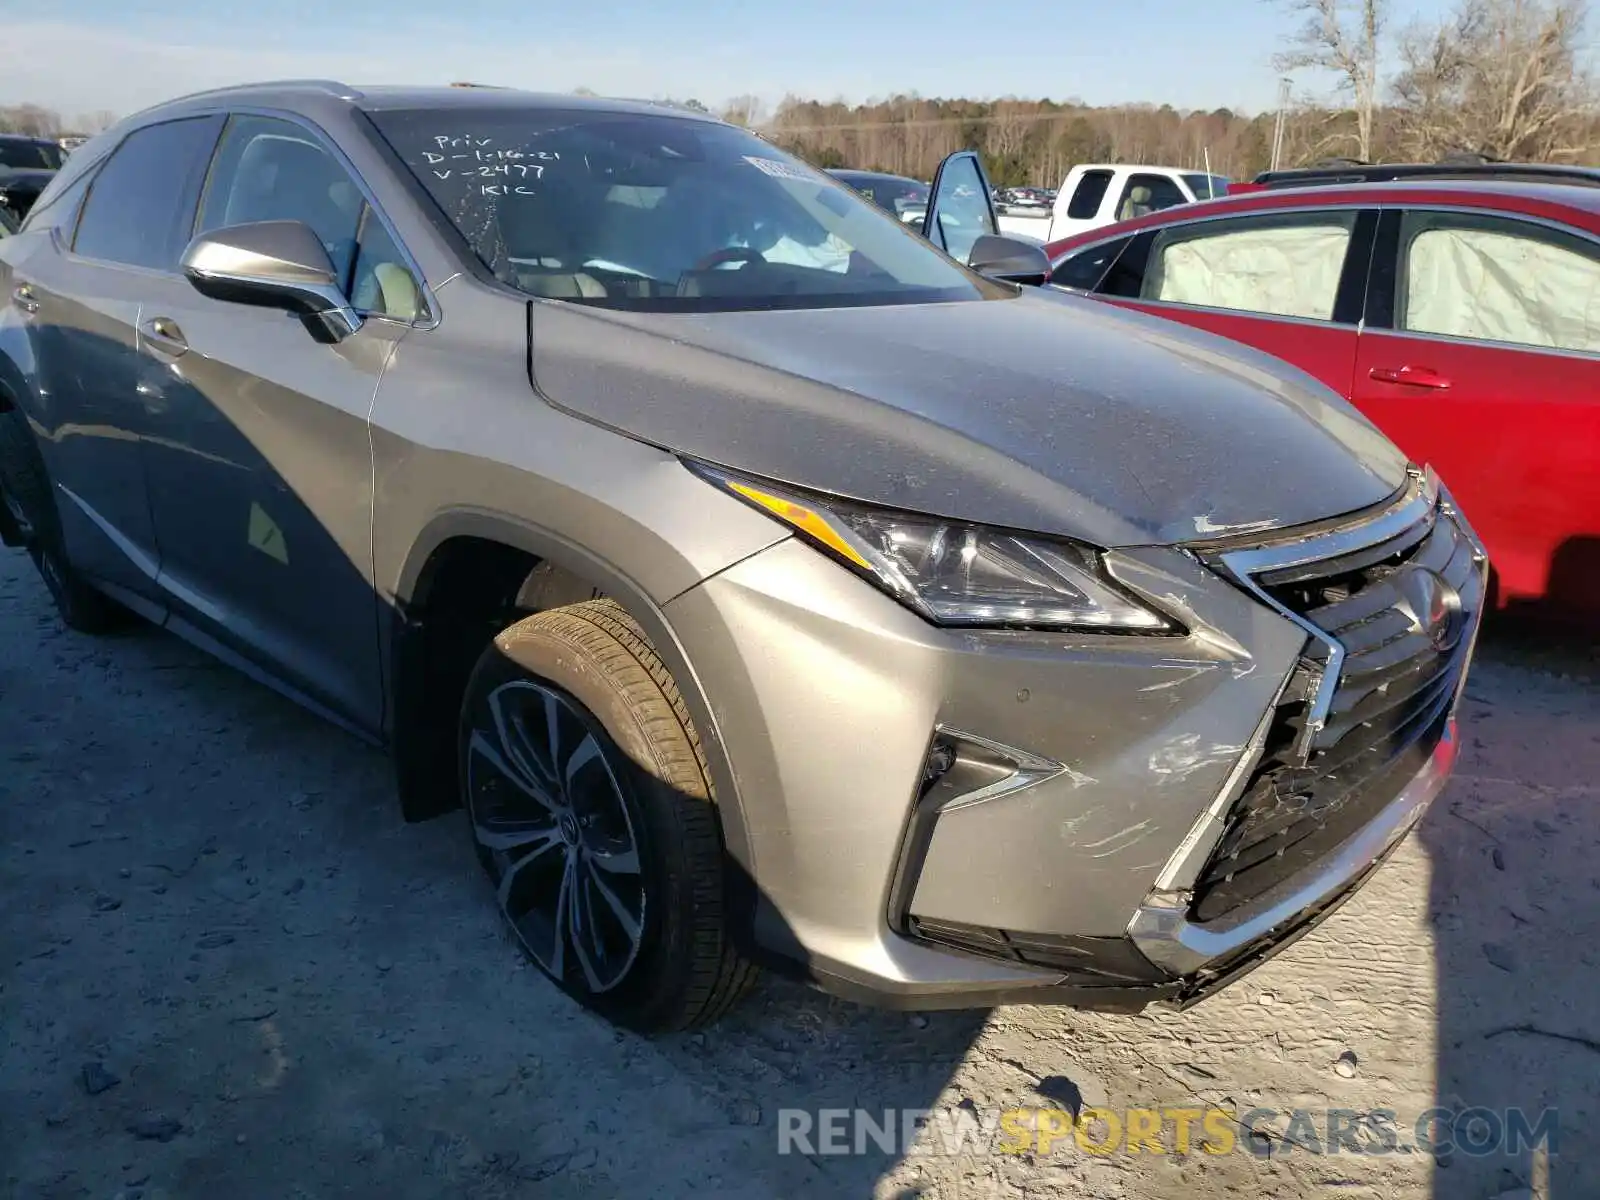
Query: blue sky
pixel 82 55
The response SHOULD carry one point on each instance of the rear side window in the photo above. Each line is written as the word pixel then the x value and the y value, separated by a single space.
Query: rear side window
pixel 1498 280
pixel 1286 266
pixel 1086 268
pixel 1091 190
pixel 141 206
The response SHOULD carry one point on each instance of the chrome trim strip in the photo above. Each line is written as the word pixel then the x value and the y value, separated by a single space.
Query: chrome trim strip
pixel 1163 933
pixel 1248 313
pixel 147 566
pixel 1186 862
pixel 1031 769
pixel 1450 339
pixel 1244 565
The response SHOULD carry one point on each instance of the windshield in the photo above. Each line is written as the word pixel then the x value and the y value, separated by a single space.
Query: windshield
pixel 29 155
pixel 1207 187
pixel 660 212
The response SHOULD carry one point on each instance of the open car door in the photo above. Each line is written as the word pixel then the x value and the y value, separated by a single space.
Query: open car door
pixel 961 221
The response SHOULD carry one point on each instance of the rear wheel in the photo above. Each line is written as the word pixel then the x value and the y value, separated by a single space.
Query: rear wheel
pixel 31 513
pixel 591 811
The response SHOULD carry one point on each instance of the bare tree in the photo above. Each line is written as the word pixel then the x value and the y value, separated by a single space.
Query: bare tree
pixel 31 119
pixel 744 110
pixel 1345 39
pixel 1503 78
pixel 96 122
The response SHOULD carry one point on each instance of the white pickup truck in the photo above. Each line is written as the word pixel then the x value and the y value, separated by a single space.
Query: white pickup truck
pixel 1096 194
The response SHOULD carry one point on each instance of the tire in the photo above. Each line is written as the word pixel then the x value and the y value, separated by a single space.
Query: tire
pixel 647 948
pixel 30 503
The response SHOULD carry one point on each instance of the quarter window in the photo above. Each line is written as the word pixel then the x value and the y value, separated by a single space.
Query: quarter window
pixel 1285 266
pixel 382 283
pixel 141 204
pixel 1498 280
pixel 58 205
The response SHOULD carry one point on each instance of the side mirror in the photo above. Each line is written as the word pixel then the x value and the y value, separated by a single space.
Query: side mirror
pixel 1010 259
pixel 273 264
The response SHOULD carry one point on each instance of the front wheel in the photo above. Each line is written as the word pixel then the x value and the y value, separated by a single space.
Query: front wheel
pixel 592 812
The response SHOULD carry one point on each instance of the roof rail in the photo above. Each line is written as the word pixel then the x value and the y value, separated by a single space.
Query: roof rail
pixel 332 86
pixel 1453 168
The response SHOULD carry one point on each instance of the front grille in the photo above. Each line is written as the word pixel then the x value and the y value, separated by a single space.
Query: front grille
pixel 1317 784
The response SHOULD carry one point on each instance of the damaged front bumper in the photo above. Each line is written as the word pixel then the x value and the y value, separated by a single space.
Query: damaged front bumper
pixel 934 818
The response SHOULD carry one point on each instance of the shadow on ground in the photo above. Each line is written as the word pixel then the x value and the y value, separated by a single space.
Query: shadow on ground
pixel 1514 847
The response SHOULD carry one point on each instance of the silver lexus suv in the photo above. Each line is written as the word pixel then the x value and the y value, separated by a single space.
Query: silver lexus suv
pixel 771 582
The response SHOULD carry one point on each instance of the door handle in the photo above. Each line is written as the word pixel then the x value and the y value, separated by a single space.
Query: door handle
pixel 22 295
pixel 1409 376
pixel 164 335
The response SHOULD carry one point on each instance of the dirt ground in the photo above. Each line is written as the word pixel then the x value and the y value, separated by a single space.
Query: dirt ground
pixel 228 969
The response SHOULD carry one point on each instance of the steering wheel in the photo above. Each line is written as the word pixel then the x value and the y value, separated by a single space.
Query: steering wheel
pixel 727 254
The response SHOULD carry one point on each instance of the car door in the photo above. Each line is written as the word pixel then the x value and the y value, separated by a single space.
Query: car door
pixel 87 262
pixel 960 210
pixel 1287 282
pixel 1481 356
pixel 261 476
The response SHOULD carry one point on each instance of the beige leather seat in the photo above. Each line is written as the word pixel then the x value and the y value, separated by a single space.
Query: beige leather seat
pixel 1136 204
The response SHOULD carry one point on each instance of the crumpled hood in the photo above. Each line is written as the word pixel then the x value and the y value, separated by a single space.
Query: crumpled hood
pixel 1047 412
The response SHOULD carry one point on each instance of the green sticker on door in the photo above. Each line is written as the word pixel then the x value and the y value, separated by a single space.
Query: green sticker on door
pixel 265 535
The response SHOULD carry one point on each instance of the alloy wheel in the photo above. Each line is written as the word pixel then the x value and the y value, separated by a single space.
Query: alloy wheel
pixel 552 822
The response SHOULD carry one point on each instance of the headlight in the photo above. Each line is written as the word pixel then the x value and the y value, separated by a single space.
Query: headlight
pixel 953 573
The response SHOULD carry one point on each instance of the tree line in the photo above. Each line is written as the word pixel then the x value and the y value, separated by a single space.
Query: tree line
pixel 1507 79
pixel 37 121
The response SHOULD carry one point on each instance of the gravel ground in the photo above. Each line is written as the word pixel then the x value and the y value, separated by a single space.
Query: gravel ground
pixel 227 968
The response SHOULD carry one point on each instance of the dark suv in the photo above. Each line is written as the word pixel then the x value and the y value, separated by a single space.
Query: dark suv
pixel 27 165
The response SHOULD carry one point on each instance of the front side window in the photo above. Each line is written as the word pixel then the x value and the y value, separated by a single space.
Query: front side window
pixel 1287 266
pixel 273 170
pixel 660 212
pixel 1090 193
pixel 141 204
pixel 1498 279
pixel 1145 194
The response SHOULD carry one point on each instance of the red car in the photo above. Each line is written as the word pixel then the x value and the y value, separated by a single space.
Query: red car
pixel 1461 315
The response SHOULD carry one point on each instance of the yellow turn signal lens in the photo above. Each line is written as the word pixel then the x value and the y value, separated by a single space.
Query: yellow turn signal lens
pixel 804 519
